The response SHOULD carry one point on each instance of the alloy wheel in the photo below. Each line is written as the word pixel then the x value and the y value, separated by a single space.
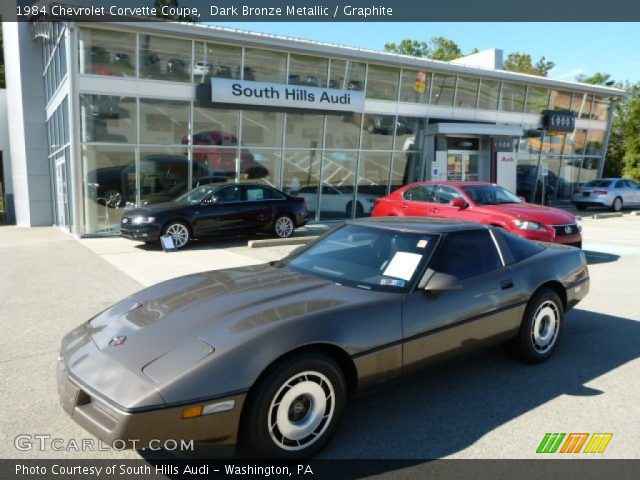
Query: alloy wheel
pixel 284 227
pixel 180 234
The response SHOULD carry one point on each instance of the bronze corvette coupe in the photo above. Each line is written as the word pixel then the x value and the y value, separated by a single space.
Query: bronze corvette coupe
pixel 268 355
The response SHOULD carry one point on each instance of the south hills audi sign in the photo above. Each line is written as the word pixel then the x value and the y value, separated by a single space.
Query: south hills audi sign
pixel 224 90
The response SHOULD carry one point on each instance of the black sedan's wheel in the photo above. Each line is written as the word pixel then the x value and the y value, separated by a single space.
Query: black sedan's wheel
pixel 616 206
pixel 179 231
pixel 359 209
pixel 295 409
pixel 541 327
pixel 283 226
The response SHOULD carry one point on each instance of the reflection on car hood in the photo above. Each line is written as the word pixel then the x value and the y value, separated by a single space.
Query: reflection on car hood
pixel 531 212
pixel 218 306
pixel 153 209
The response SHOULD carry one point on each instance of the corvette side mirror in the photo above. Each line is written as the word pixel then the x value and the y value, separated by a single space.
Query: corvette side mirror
pixel 458 202
pixel 443 282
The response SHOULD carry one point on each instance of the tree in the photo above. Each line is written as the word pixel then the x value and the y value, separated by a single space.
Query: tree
pixel 437 48
pixel 630 131
pixel 598 78
pixel 521 62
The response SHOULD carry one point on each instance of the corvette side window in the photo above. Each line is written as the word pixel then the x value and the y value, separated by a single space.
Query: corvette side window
pixel 466 254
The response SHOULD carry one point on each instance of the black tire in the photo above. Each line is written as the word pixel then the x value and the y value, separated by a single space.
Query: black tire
pixel 526 346
pixel 283 226
pixel 180 231
pixel 271 404
pixel 581 206
pixel 617 204
pixel 359 209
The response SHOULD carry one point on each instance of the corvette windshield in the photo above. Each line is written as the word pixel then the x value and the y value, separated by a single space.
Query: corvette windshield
pixel 195 196
pixel 490 195
pixel 370 258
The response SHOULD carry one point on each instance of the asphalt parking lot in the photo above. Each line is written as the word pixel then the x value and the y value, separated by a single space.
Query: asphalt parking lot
pixel 486 407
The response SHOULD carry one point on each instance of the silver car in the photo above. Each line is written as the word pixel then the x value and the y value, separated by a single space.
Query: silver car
pixel 614 193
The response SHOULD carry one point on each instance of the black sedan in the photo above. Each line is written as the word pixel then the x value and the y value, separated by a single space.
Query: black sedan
pixel 217 209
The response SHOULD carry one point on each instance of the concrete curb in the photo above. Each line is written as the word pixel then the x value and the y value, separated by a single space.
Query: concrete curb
pixel 635 213
pixel 598 216
pixel 276 242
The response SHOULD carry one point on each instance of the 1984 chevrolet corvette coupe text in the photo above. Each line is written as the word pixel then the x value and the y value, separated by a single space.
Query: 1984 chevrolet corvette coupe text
pixel 267 355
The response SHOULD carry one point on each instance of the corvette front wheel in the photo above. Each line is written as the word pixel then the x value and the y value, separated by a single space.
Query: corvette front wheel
pixel 295 409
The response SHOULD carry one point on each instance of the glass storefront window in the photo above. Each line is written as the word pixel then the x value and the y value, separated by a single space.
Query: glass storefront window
pixel 489 93
pixel 304 130
pixel 107 118
pixel 406 168
pixel 537 100
pixel 589 170
pixel 407 86
pixel 164 122
pixel 262 129
pixel 307 70
pixel 443 89
pixel 215 60
pixel 301 176
pixel 467 92
pixel 373 180
pixel 600 109
pixel 406 130
pixel 165 58
pixel 377 131
pixel 264 65
pixel 530 142
pixel 347 75
pixel 548 186
pixel 105 52
pixel 343 131
pixel 569 170
pixel 382 82
pixel 512 97
pixel 553 143
pixel 164 174
pixel 575 142
pixel 217 164
pixel 261 165
pixel 595 142
pixel 560 100
pixel 213 126
pixel 581 104
pixel 109 185
pixel 338 182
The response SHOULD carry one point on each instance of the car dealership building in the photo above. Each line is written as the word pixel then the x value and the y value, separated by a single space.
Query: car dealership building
pixel 105 116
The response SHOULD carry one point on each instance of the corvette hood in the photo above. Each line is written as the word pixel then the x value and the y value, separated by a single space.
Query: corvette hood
pixel 531 212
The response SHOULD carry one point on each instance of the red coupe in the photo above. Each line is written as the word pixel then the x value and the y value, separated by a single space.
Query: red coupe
pixel 484 203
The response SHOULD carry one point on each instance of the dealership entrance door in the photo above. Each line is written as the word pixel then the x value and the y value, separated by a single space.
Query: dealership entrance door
pixel 462 166
pixel 62 204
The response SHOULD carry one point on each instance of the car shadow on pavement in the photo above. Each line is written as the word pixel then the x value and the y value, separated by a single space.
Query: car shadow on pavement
pixel 594 258
pixel 448 409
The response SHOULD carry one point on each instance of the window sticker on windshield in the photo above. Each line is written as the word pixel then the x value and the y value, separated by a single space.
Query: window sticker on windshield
pixel 403 265
pixel 422 243
pixel 392 282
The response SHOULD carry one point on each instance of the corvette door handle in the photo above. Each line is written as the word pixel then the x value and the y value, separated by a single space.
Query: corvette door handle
pixel 505 284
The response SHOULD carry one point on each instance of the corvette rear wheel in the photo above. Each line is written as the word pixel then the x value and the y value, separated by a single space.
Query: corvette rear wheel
pixel 295 409
pixel 541 327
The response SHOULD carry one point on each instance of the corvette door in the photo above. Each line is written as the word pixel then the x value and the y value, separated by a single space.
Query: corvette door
pixel 440 324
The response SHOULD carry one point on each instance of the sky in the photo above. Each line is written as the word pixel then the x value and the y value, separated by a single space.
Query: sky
pixel 575 48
